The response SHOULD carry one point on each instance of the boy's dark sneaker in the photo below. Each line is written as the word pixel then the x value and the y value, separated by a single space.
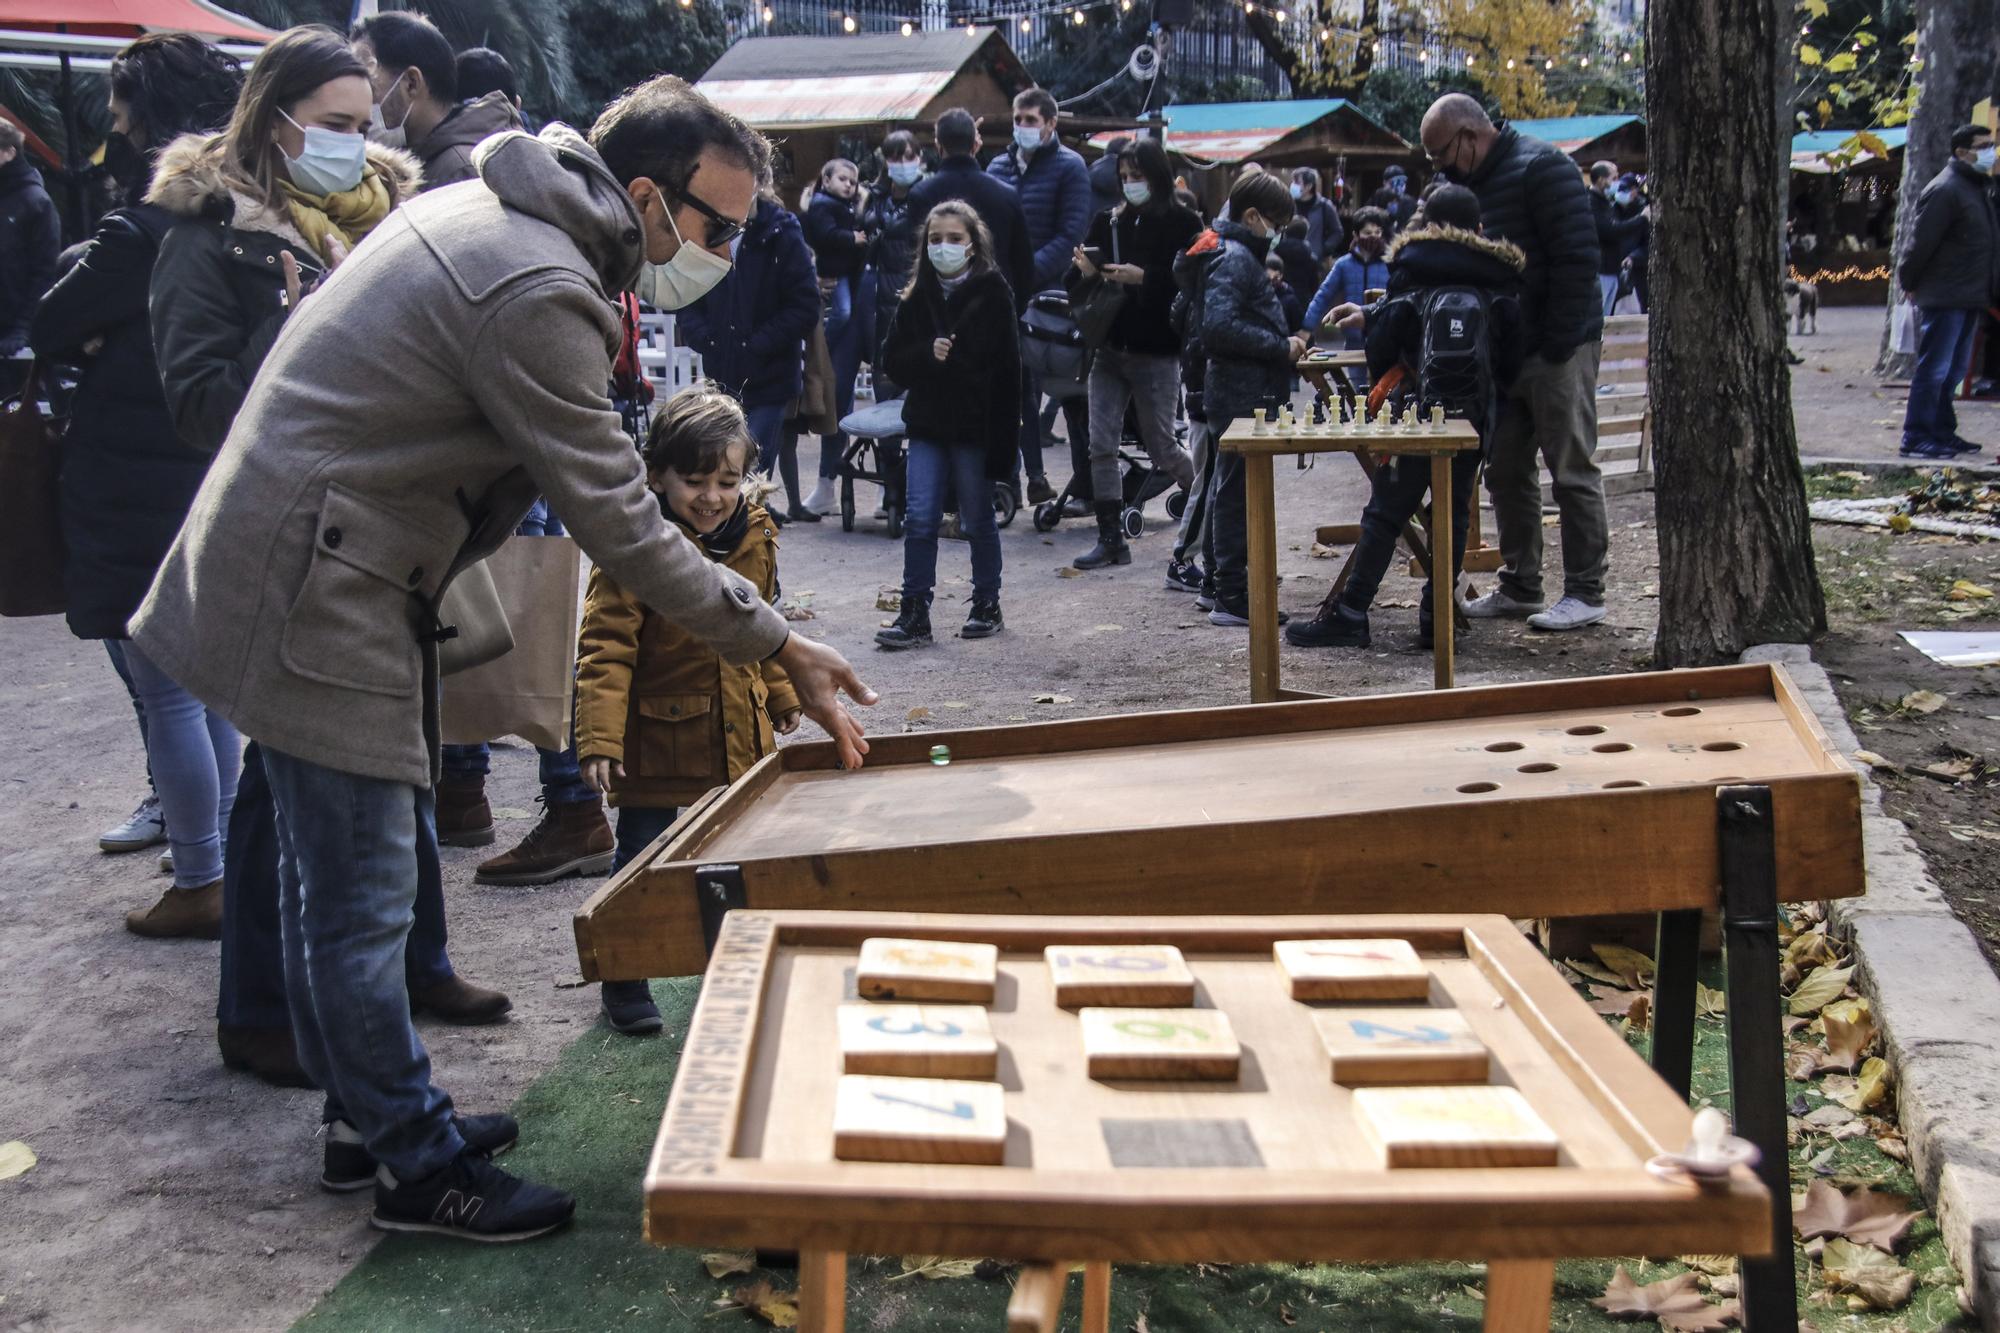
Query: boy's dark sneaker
pixel 629 1008
pixel 1931 449
pixel 350 1166
pixel 984 620
pixel 473 1200
pixel 1184 576
pixel 911 630
pixel 1236 615
pixel 1205 599
pixel 1958 444
pixel 1334 627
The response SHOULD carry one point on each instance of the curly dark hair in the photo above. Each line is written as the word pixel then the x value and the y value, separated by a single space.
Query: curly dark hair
pixel 174 84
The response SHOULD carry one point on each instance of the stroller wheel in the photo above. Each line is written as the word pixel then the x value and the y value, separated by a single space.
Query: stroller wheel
pixel 1005 503
pixel 1047 515
pixel 1177 505
pixel 895 521
pixel 1134 522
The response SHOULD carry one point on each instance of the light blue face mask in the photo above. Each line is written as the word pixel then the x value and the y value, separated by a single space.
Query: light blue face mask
pixel 906 173
pixel 1027 140
pixel 332 162
pixel 1137 193
pixel 1983 159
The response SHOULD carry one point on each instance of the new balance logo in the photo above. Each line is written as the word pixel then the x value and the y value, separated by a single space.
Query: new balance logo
pixel 456 1209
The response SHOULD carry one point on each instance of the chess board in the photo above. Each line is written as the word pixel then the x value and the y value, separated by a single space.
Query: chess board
pixel 1321 430
pixel 1244 1125
pixel 1557 798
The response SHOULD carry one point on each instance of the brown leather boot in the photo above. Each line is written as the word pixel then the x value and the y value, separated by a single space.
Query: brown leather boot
pixel 456 1000
pixel 269 1053
pixel 181 914
pixel 464 819
pixel 572 839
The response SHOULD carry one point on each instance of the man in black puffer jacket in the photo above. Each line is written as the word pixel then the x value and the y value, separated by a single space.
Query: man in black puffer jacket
pixel 30 239
pixel 1531 194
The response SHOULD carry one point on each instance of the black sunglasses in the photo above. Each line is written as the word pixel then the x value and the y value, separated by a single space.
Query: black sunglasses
pixel 721 230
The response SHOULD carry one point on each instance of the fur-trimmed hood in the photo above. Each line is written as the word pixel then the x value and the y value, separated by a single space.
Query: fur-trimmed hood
pixel 188 182
pixel 1505 251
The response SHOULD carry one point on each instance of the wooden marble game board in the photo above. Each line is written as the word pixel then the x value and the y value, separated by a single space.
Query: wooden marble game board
pixel 1288 1149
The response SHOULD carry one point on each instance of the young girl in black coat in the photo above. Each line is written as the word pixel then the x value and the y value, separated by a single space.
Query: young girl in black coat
pixel 954 345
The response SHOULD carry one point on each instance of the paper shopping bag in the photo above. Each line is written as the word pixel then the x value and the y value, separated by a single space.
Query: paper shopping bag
pixel 526 692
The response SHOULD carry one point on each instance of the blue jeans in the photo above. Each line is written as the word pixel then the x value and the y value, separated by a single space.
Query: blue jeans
pixel 349 866
pixel 843 345
pixel 767 428
pixel 929 470
pixel 115 650
pixel 638 825
pixel 194 755
pixel 562 781
pixel 1944 354
pixel 252 994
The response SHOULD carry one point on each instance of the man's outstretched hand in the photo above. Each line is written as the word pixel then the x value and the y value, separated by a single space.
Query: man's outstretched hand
pixel 820 675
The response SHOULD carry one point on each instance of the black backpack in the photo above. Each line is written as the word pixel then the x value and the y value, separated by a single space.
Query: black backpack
pixel 1455 370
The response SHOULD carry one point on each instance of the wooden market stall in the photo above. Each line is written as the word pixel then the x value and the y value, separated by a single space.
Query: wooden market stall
pixel 1587 139
pixel 1842 207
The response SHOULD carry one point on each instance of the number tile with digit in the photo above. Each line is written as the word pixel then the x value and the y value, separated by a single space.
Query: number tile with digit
pixel 1352 970
pixel 1160 1044
pixel 924 1120
pixel 1387 1046
pixel 893 969
pixel 917 1040
pixel 1153 975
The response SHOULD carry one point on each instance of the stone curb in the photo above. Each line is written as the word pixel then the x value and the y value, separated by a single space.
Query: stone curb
pixel 1937 1001
pixel 1973 467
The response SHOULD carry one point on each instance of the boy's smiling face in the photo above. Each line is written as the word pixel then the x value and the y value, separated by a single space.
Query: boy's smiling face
pixel 706 500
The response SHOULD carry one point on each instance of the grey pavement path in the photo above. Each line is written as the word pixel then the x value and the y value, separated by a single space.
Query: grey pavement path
pixel 1844 414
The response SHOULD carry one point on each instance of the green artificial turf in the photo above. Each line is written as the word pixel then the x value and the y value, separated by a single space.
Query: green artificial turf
pixel 588 1125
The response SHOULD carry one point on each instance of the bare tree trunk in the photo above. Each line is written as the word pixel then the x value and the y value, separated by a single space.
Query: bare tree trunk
pixel 1736 557
pixel 1958 42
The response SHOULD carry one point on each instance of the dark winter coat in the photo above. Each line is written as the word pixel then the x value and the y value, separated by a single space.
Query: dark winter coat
pixel 830 227
pixel 1617 237
pixel 1152 239
pixel 1421 262
pixel 218 293
pixel 1191 272
pixel 1106 189
pixel 446 152
pixel 998 206
pixel 30 240
pixel 1349 283
pixel 751 329
pixel 1324 235
pixel 1243 330
pixel 1530 193
pixel 1054 186
pixel 1288 301
pixel 972 397
pixel 892 225
pixel 127 479
pixel 1953 259
pixel 1301 265
pixel 1398 204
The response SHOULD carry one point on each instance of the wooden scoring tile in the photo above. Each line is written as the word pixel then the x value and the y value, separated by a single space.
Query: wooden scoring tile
pixel 893 969
pixel 917 1040
pixel 919 1120
pixel 1160 1044
pixel 1389 1046
pixel 1447 1127
pixel 1352 970
pixel 1119 974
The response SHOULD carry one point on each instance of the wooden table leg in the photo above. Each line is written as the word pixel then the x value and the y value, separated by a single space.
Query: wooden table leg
pixel 822 1291
pixel 1444 587
pixel 1261 521
pixel 1036 1304
pixel 1097 1298
pixel 1519 1293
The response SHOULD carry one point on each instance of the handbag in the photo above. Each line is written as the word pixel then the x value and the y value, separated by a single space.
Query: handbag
pixel 1903 328
pixel 1096 307
pixel 31 545
pixel 526 692
pixel 472 606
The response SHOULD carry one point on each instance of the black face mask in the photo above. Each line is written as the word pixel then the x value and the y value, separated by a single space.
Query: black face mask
pixel 127 165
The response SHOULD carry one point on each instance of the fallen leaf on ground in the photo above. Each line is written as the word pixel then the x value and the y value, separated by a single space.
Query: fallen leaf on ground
pixel 723 1263
pixel 917 714
pixel 1715 1265
pixel 1893 1146
pixel 1847 1040
pixel 1709 1002
pixel 889 599
pixel 1321 551
pixel 1633 968
pixel 1921 701
pixel 16 1158
pixel 1965 590
pixel 780 1309
pixel 1826 1119
pixel 1801 1063
pixel 935 1267
pixel 1069 572
pixel 1054 699
pixel 1613 1001
pixel 1873 760
pixel 1821 987
pixel 1139 1325
pixel 1865 1217
pixel 1880 1282
pixel 1871 1085
pixel 1676 1302
pixel 1595 971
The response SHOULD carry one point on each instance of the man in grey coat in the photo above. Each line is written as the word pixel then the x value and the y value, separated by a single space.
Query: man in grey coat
pixel 1951 270
pixel 406 418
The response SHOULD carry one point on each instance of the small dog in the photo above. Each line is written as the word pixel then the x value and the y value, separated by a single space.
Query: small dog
pixel 1808 307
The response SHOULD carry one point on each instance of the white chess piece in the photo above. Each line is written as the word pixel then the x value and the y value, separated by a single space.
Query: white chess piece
pixel 1258 425
pixel 1711 1127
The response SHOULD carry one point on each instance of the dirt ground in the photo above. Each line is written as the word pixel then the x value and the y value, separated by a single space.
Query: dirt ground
pixel 172 1194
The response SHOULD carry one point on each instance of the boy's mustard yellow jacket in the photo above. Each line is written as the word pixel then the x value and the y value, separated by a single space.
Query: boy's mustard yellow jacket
pixel 658 700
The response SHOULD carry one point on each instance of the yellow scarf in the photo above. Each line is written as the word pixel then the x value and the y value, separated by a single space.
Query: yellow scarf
pixel 346 217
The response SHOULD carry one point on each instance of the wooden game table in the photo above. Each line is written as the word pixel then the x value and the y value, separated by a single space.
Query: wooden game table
pixel 1327 372
pixel 1261 519
pixel 1282 1162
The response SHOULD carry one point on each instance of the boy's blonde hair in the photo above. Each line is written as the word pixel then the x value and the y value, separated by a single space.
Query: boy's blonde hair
pixel 695 431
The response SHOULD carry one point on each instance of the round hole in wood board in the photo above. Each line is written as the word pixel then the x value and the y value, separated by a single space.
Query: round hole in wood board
pixel 1505 747
pixel 1588 729
pixel 1612 747
pixel 1623 783
pixel 1538 768
pixel 1679 712
pixel 1722 747
pixel 1479 788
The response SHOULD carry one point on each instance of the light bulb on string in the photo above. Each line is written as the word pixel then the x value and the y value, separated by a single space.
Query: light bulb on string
pixel 1510 62
pixel 1586 62
pixel 1026 26
pixel 847 23
pixel 1548 64
pixel 1077 18
pixel 907 29
pixel 1628 57
pixel 1469 61
pixel 1278 14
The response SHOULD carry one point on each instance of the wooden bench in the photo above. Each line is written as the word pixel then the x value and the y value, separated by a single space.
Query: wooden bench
pixel 1625 414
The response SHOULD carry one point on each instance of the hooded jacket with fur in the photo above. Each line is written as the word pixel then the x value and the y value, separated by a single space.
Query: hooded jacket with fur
pixel 1423 262
pixel 404 421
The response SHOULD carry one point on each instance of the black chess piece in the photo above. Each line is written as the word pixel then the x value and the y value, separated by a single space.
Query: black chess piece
pixel 1319 412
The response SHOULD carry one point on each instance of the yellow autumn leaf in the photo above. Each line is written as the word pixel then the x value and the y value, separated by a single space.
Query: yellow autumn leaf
pixel 1871 1085
pixel 1825 109
pixel 16 1157
pixel 1816 8
pixel 1821 987
pixel 1808 55
pixel 1965 590
pixel 1841 63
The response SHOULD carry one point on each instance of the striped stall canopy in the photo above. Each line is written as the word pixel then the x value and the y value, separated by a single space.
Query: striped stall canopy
pixel 1570 133
pixel 1238 131
pixel 808 82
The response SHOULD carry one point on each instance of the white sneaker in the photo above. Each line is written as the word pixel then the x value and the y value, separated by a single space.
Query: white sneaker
pixel 824 499
pixel 167 862
pixel 1568 613
pixel 1497 605
pixel 145 827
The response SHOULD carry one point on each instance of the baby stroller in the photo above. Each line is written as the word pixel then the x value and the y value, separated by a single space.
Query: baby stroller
pixel 1053 346
pixel 874 453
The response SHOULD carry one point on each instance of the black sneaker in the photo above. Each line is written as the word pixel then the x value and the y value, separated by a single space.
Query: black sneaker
pixel 473 1200
pixel 911 630
pixel 1931 449
pixel 629 1008
pixel 984 620
pixel 1236 615
pixel 1334 627
pixel 350 1166
pixel 1958 444
pixel 1184 576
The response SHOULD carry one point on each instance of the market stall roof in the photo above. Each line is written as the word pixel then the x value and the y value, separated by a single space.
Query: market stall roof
pixel 790 83
pixel 1811 151
pixel 1240 131
pixel 1570 133
pixel 130 18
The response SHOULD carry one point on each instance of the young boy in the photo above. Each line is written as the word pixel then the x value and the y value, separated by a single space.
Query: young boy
pixel 660 719
pixel 1451 323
